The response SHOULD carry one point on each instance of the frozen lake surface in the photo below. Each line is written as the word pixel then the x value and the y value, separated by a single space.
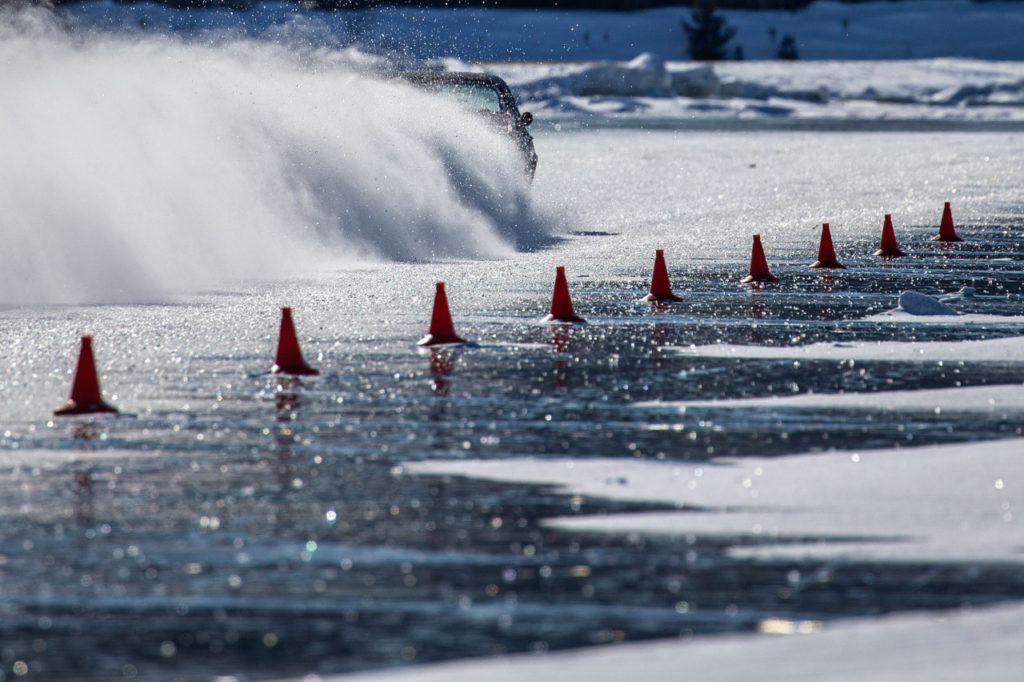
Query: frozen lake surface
pixel 806 458
pixel 231 523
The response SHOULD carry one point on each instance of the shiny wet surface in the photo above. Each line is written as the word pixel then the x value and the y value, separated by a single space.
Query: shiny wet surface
pixel 234 523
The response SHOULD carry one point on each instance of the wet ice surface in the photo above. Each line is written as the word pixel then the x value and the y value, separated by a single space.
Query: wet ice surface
pixel 230 523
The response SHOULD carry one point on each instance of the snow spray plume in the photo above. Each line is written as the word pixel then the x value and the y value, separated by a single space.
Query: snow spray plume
pixel 137 165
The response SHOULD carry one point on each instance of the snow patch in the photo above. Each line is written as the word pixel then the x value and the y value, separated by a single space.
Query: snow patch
pixel 1004 400
pixel 987 350
pixel 936 503
pixel 981 644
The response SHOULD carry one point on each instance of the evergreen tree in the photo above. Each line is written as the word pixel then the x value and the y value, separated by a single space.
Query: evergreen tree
pixel 708 33
pixel 787 48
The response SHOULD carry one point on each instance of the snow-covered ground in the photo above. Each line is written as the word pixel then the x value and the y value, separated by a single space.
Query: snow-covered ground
pixel 648 89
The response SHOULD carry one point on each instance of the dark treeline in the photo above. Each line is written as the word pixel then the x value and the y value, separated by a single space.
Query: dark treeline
pixel 615 5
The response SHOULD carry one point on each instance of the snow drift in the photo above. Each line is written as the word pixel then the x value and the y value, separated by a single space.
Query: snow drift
pixel 650 87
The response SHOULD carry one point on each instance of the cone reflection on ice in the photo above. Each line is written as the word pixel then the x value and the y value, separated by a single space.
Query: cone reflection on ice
pixel 442 330
pixel 561 338
pixel 289 357
pixel 442 359
pixel 889 248
pixel 561 304
pixel 947 233
pixel 85 390
pixel 826 251
pixel 759 271
pixel 661 288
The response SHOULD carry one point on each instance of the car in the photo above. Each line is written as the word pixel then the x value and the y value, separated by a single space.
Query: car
pixel 487 95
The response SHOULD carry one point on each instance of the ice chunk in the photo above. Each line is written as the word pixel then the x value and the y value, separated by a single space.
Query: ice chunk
pixel 920 304
pixel 964 292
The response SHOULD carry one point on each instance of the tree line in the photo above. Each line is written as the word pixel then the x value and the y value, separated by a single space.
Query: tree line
pixel 610 5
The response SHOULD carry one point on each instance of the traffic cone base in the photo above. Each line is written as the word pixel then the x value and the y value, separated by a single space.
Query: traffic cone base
pixel 300 370
pixel 561 303
pixel 947 232
pixel 759 271
pixel 85 390
pixel 567 319
pixel 442 330
pixel 889 248
pixel 73 407
pixel 289 356
pixel 661 288
pixel 826 251
pixel 664 298
pixel 435 340
pixel 890 253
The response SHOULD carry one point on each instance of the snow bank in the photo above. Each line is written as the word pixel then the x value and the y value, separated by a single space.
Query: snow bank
pixel 944 90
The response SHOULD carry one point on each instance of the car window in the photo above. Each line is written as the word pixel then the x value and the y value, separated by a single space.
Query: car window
pixel 473 96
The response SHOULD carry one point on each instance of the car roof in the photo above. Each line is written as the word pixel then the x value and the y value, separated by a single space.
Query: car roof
pixel 454 78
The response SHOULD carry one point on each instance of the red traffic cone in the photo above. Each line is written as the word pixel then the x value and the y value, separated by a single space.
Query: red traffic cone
pixel 85 391
pixel 947 233
pixel 661 288
pixel 441 328
pixel 889 248
pixel 289 357
pixel 826 252
pixel 561 304
pixel 759 271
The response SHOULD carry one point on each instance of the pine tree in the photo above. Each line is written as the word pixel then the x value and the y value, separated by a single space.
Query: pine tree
pixel 708 33
pixel 787 48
